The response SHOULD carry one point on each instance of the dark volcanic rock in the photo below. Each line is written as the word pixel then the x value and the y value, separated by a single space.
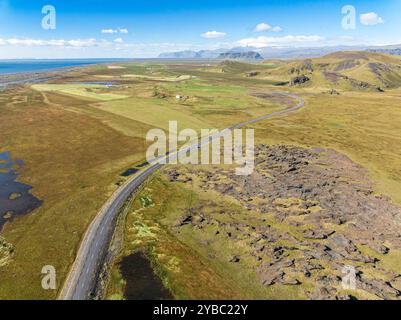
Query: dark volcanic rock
pixel 303 192
pixel 298 80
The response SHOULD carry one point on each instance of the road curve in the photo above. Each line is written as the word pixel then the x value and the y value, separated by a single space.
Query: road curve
pixel 82 277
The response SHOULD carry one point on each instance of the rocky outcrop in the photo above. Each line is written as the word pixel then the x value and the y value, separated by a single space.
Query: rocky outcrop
pixel 6 252
pixel 252 74
pixel 299 80
pixel 318 214
pixel 305 67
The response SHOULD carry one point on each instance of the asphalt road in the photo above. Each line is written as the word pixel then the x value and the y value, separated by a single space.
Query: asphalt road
pixel 82 278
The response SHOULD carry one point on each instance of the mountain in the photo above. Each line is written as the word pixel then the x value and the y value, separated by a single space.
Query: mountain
pixel 247 55
pixel 235 54
pixel 266 53
pixel 236 67
pixel 393 50
pixel 189 54
pixel 304 52
pixel 345 70
pixel 315 52
pixel 281 53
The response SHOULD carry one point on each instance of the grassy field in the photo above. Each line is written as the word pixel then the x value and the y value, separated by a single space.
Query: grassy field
pixel 365 126
pixel 152 111
pixel 163 79
pixel 90 91
pixel 72 161
pixel 76 140
pixel 201 106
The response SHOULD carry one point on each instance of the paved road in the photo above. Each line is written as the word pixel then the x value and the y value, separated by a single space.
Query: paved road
pixel 82 278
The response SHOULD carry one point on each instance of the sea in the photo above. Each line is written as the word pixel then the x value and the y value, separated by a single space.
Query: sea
pixel 36 65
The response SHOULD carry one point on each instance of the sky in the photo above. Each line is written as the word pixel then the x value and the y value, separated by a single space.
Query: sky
pixel 143 29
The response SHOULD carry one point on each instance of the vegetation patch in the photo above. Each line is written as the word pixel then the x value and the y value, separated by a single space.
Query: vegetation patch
pixel 91 91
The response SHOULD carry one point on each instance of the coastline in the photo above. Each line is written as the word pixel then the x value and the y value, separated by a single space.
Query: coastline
pixel 28 77
pixel 37 76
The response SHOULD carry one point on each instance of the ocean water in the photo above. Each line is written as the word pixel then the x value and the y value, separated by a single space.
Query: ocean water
pixel 22 66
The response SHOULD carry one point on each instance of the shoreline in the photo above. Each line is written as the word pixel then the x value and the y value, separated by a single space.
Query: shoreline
pixel 12 79
pixel 18 78
pixel 23 78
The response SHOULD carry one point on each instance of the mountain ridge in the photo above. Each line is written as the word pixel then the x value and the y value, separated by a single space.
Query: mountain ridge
pixel 279 52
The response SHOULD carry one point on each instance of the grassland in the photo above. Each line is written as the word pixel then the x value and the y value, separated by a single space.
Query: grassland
pixel 361 124
pixel 152 111
pixel 73 162
pixel 201 106
pixel 90 91
pixel 344 71
pixel 365 126
pixel 164 79
pixel 76 139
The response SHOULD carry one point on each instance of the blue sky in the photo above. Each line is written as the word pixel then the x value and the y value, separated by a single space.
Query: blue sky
pixel 131 28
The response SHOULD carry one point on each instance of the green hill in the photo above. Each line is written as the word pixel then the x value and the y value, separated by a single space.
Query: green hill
pixel 342 70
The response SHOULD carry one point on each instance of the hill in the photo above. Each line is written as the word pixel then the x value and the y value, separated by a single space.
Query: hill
pixel 353 70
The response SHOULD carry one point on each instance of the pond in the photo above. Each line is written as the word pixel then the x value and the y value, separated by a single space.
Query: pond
pixel 141 281
pixel 15 197
pixel 129 172
pixel 144 164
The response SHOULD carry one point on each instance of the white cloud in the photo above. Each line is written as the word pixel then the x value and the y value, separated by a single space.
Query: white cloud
pixel 82 43
pixel 77 43
pixel 262 42
pixel 277 29
pixel 262 27
pixel 371 19
pixel 267 27
pixel 123 30
pixel 109 31
pixel 113 31
pixel 258 42
pixel 213 34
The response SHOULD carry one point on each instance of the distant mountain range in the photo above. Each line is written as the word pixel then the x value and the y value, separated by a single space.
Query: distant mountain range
pixel 251 53
pixel 189 54
pixel 393 50
pixel 248 55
